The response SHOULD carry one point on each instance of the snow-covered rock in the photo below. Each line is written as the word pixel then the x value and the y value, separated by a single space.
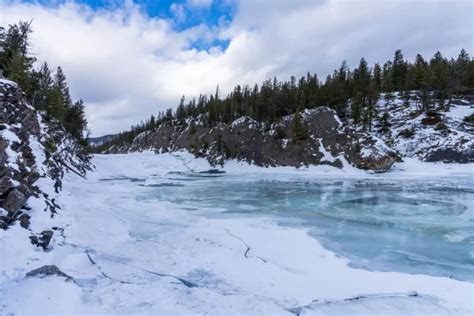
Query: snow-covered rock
pixel 247 140
pixel 443 136
pixel 34 149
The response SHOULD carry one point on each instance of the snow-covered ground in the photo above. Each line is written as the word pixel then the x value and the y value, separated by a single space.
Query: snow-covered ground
pixel 131 253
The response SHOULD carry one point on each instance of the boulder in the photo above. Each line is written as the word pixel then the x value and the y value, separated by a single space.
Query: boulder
pixel 46 271
pixel 14 201
pixel 42 240
pixel 24 220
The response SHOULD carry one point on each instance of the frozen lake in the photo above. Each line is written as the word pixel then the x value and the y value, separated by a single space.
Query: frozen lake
pixel 415 226
pixel 149 234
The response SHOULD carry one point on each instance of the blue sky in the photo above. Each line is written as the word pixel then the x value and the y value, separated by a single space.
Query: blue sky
pixel 209 12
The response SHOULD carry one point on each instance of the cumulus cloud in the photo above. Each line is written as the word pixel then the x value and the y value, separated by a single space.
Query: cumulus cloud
pixel 127 66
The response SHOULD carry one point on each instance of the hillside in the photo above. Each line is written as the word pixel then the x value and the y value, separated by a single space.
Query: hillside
pixel 367 116
pixel 400 130
pixel 35 153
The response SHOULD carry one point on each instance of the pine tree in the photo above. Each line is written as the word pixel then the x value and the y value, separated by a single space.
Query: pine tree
pixel 385 123
pixel 299 128
pixel 377 80
pixel 387 77
pixel 361 86
pixel 60 97
pixel 440 75
pixel 42 97
pixel 169 115
pixel 399 71
pixel 14 59
pixel 418 73
pixel 75 121
pixel 180 110
pixel 44 92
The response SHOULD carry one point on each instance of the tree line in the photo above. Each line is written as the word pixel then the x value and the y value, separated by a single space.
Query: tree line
pixel 45 89
pixel 352 93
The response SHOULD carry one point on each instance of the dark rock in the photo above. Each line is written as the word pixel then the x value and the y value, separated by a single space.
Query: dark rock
pixel 14 201
pixel 431 120
pixel 213 171
pixel 24 220
pixel 450 155
pixel 48 270
pixel 247 140
pixel 3 152
pixel 4 221
pixel 5 185
pixel 43 239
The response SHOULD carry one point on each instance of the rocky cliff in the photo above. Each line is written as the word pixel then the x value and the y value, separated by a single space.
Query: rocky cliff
pixel 35 152
pixel 327 141
pixel 437 135
pixel 400 129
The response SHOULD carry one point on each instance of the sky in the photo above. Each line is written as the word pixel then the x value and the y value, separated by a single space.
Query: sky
pixel 130 59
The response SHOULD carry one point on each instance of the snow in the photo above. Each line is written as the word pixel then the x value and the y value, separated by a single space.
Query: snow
pixel 460 111
pixel 426 138
pixel 7 82
pixel 252 124
pixel 11 138
pixel 326 155
pixel 131 253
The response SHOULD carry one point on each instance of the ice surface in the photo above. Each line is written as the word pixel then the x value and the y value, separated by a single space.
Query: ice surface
pixel 145 234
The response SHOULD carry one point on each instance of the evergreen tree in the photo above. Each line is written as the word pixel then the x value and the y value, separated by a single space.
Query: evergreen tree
pixel 180 111
pixel 299 128
pixel 399 71
pixel 377 78
pixel 385 123
pixel 44 92
pixel 60 97
pixel 14 59
pixel 440 72
pixel 361 84
pixel 75 121
pixel 42 97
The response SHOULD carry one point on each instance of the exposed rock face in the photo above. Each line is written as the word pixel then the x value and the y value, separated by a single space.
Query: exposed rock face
pixel 328 142
pixel 399 129
pixel 28 151
pixel 441 136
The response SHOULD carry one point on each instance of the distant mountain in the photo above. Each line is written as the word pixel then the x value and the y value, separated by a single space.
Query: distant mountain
pixel 98 141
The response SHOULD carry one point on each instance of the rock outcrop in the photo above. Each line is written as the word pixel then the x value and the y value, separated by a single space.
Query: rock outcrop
pixel 32 146
pixel 326 141
pixel 437 136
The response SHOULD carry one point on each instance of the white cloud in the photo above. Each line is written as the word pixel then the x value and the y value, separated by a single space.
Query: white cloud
pixel 179 12
pixel 127 66
pixel 199 3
